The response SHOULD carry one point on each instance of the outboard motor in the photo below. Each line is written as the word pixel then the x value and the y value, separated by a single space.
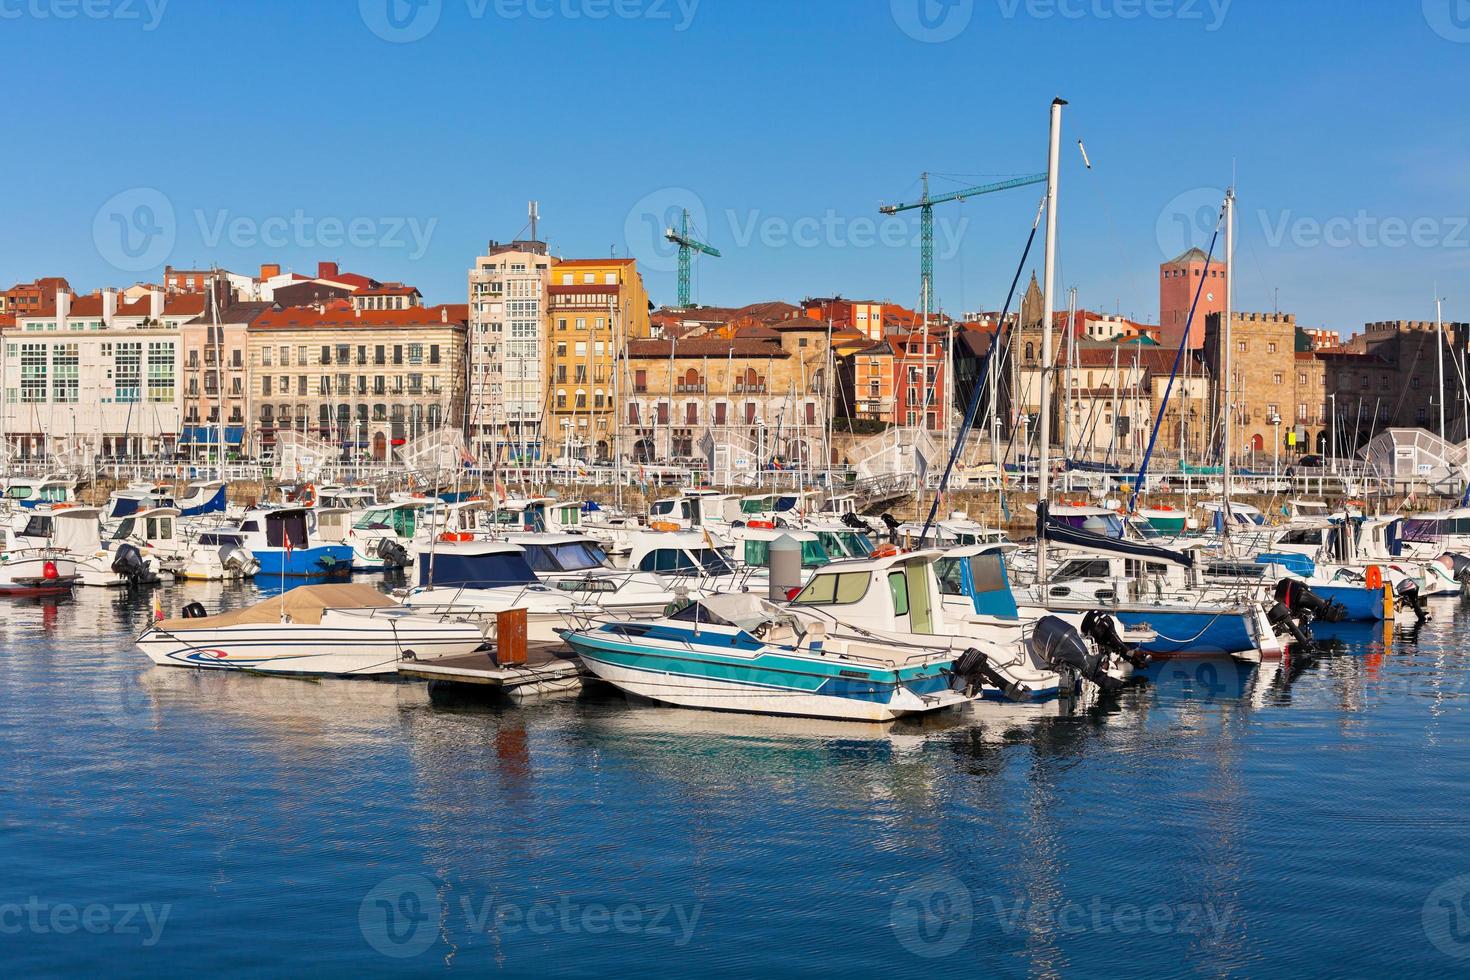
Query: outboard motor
pixel 392 552
pixel 1054 642
pixel 239 560
pixel 1460 566
pixel 195 610
pixel 890 522
pixel 855 522
pixel 1299 599
pixel 1284 623
pixel 1406 596
pixel 972 671
pixel 1099 627
pixel 129 563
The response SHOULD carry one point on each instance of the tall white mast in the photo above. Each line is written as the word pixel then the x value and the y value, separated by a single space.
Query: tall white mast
pixel 1043 475
pixel 1229 403
pixel 1439 351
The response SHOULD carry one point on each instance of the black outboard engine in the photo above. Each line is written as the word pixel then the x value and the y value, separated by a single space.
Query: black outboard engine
pixel 890 522
pixel 1460 565
pixel 1300 599
pixel 1406 596
pixel 392 552
pixel 195 610
pixel 1099 627
pixel 1284 623
pixel 972 671
pixel 129 563
pixel 1054 642
pixel 856 523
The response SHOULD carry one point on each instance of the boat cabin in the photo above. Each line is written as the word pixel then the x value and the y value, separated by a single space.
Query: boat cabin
pixel 34 491
pixel 474 565
pixel 679 553
pixel 558 553
pixel 896 593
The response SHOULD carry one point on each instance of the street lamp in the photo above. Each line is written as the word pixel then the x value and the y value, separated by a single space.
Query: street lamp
pixel 1332 428
pixel 1275 421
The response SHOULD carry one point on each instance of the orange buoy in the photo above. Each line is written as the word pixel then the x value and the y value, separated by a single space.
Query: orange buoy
pixel 1375 577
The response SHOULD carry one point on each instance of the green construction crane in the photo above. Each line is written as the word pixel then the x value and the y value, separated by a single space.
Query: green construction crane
pixel 926 221
pixel 687 246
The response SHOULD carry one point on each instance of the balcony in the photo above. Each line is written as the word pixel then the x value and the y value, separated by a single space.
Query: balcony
pixel 758 388
pixel 688 389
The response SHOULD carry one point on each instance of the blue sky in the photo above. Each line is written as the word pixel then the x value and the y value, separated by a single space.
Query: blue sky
pixel 197 133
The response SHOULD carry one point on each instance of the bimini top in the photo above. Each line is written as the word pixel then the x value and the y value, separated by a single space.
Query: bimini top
pixel 303 605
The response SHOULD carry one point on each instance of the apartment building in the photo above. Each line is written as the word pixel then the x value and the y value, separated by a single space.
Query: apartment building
pixel 366 380
pixel 90 376
pixel 595 308
pixel 506 386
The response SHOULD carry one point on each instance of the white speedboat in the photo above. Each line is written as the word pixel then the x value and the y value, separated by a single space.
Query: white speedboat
pixel 341 630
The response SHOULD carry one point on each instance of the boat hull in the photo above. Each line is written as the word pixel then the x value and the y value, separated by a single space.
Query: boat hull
pixel 306 650
pixel 323 561
pixel 760 686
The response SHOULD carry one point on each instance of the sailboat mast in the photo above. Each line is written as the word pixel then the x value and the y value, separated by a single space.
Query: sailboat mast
pixel 1228 401
pixel 1043 474
pixel 1439 350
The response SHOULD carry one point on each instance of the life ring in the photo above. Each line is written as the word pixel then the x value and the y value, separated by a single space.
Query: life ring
pixel 1374 577
pixel 307 497
pixel 884 551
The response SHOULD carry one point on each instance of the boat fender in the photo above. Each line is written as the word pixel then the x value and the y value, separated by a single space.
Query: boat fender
pixel 49 572
pixel 1374 577
pixel 195 610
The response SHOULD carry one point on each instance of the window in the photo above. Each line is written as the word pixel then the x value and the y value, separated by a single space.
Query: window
pixel 898 588
pixel 1276 378
pixel 160 371
pixel 433 353
pixel 33 372
pixel 265 356
pixel 1241 347
pixel 265 384
pixel 1271 348
pixel 840 590
pixel 64 373
pixel 397 353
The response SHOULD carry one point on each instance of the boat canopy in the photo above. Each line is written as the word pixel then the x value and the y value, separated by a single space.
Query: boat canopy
pixel 475 565
pixel 1081 540
pixel 303 605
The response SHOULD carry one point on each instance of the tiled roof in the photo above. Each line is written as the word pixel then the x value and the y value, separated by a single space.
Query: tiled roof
pixel 705 347
pixel 297 317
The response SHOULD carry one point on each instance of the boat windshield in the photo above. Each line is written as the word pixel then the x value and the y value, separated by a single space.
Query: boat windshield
pixel 705 561
pixel 572 556
pixel 834 589
pixel 813 555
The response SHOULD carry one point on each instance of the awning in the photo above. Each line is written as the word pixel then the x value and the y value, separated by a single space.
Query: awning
pixel 208 435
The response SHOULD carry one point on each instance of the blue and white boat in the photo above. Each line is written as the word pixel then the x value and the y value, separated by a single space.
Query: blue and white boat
pixel 281 540
pixel 201 497
pixel 865 640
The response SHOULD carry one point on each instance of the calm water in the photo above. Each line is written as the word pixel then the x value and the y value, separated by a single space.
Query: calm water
pixel 161 822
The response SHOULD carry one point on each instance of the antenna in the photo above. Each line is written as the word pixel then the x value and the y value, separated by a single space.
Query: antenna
pixel 535 212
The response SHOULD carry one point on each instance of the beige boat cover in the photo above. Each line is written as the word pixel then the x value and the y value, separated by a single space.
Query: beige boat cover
pixel 304 604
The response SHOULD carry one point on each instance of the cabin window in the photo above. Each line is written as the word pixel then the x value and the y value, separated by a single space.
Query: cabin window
pixel 951 576
pixel 898 587
pixel 1094 568
pixel 988 573
pixel 1307 535
pixel 834 590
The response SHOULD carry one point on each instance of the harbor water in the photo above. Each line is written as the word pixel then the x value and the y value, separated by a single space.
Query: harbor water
pixel 1221 820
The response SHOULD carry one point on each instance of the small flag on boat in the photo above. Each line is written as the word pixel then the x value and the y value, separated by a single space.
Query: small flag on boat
pixel 157 606
pixel 500 491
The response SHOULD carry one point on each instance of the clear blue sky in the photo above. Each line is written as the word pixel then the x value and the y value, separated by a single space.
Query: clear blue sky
pixel 785 124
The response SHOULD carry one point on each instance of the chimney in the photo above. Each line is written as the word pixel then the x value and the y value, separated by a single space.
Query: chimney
pixel 270 270
pixel 155 303
pixel 326 270
pixel 109 305
pixel 63 305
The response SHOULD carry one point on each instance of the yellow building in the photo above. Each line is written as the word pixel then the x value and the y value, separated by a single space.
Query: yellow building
pixel 593 308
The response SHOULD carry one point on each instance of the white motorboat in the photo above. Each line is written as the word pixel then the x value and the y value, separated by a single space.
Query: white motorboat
pixel 340 630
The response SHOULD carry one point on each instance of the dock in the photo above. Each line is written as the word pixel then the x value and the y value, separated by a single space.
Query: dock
pixel 547 668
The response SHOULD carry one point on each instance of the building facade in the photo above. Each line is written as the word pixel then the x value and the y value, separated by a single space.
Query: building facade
pixel 366 380
pixel 506 386
pixel 1179 281
pixel 1276 389
pixel 595 308
pixel 216 379
pixel 91 377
